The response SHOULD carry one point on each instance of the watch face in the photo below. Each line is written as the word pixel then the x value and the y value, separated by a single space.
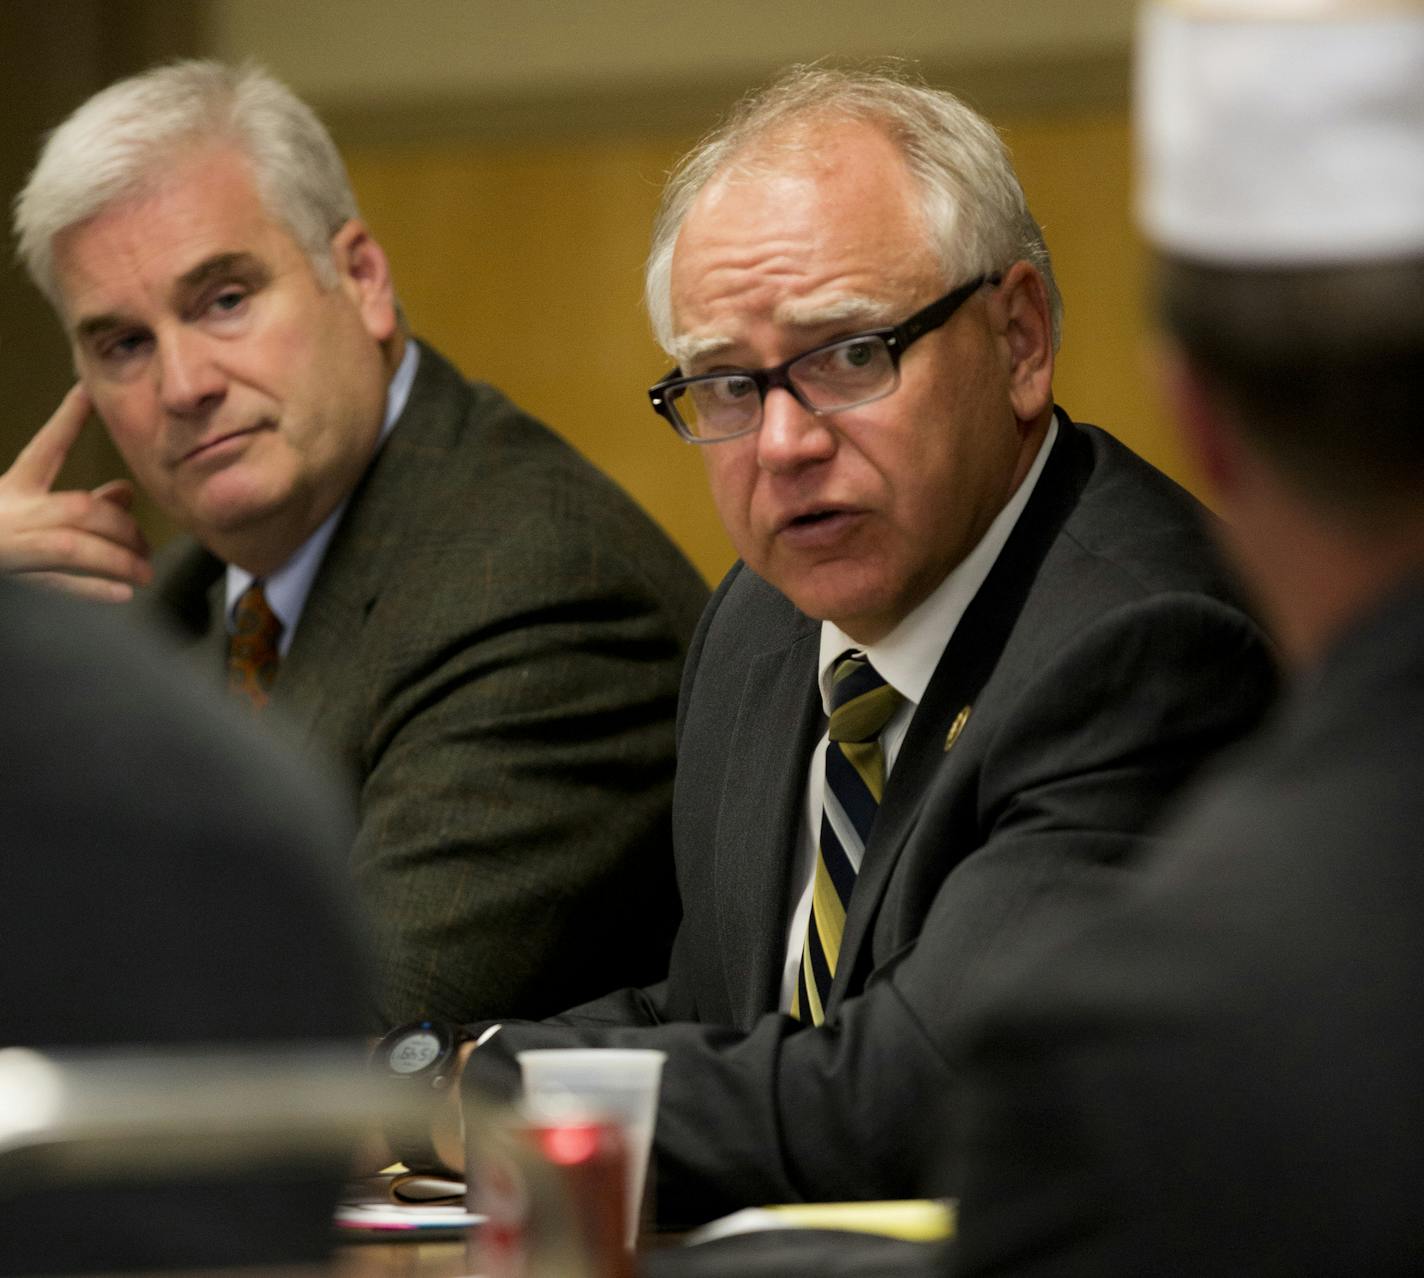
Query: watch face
pixel 414 1052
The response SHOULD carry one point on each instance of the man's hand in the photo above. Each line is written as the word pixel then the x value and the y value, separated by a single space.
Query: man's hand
pixel 87 543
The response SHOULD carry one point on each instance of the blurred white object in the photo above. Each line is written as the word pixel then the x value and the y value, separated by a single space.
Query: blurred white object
pixel 1281 132
pixel 154 1112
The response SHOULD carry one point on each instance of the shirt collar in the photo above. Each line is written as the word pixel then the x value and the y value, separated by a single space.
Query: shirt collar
pixel 286 589
pixel 906 658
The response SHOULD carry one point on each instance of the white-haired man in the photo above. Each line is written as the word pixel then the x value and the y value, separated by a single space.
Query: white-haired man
pixel 1223 1075
pixel 429 584
pixel 1041 646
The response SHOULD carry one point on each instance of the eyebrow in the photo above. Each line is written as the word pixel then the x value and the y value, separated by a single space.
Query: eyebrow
pixel 93 326
pixel 862 310
pixel 858 310
pixel 687 349
pixel 220 266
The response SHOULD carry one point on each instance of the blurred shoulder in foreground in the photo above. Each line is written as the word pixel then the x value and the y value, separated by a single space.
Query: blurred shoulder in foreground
pixel 169 879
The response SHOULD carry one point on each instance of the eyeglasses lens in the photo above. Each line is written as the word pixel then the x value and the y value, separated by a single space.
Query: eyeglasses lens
pixel 842 375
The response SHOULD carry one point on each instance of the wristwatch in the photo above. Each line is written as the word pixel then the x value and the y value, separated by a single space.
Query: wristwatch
pixel 421 1054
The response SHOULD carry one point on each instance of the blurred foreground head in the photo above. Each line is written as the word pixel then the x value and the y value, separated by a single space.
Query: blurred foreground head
pixel 1281 171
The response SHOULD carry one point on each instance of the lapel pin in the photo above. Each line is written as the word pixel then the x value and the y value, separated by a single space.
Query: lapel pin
pixel 956 728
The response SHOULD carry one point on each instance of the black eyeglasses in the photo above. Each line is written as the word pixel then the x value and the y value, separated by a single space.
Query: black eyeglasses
pixel 846 373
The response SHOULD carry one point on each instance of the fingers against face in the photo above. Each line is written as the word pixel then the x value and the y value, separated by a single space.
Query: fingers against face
pixel 73 533
pixel 84 542
pixel 108 515
pixel 120 492
pixel 40 461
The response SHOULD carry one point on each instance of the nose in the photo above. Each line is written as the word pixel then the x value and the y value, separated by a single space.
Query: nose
pixel 190 380
pixel 791 436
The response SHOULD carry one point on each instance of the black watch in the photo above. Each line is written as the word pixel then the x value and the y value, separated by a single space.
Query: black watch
pixel 421 1054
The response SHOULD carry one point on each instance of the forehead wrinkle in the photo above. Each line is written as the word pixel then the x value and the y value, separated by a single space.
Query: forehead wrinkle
pixel 793 313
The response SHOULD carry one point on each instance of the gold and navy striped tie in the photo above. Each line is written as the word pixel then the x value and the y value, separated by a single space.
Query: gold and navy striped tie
pixel 861 705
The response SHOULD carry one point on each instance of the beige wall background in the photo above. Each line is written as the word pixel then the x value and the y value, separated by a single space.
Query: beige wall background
pixel 509 158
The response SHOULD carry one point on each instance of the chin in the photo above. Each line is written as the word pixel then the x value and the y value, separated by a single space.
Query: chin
pixel 227 518
pixel 234 498
pixel 849 614
pixel 828 596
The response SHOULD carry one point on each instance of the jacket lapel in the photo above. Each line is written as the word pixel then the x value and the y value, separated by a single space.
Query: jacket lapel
pixel 778 720
pixel 364 552
pixel 324 645
pixel 965 666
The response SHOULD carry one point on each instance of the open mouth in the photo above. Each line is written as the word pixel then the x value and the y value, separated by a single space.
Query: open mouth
pixel 817 518
pixel 819 527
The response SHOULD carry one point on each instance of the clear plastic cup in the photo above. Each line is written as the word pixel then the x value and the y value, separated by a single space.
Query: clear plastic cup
pixel 615 1083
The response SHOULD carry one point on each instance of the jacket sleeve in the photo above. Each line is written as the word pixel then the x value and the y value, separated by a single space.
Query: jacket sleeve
pixel 514 850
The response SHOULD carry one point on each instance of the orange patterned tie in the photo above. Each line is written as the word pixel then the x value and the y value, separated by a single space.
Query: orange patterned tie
pixel 252 648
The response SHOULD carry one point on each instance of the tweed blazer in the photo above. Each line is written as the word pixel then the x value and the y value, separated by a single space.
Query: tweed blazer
pixel 490 651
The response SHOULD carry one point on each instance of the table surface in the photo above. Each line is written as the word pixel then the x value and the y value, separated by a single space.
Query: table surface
pixel 431 1259
pixel 400 1260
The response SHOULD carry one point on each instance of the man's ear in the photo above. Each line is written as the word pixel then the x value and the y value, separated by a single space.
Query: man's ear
pixel 1205 426
pixel 1023 323
pixel 365 275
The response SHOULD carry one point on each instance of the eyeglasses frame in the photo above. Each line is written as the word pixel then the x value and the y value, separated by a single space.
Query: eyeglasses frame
pixel 898 338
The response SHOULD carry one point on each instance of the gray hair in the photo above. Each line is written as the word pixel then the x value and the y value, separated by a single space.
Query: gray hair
pixel 118 144
pixel 1323 367
pixel 971 200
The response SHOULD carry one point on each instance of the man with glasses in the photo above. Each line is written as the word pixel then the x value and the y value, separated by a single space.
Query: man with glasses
pixel 969 650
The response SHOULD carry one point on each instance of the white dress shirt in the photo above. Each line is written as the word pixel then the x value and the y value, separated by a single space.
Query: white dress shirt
pixel 906 659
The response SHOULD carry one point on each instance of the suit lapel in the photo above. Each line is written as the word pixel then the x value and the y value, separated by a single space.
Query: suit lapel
pixel 371 536
pixel 328 635
pixel 965 666
pixel 778 720
pixel 326 639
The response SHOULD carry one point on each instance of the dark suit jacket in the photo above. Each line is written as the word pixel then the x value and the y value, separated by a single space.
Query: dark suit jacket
pixel 1226 1075
pixel 166 879
pixel 491 648
pixel 1103 658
